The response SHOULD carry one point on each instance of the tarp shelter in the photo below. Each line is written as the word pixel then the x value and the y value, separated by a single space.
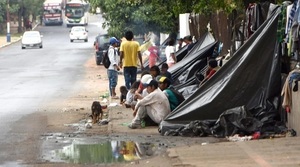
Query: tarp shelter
pixel 195 62
pixel 251 79
pixel 202 49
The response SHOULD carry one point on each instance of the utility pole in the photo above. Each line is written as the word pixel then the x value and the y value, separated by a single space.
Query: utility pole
pixel 8 23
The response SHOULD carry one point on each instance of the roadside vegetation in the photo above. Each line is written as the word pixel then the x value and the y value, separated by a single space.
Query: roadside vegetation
pixel 19 10
pixel 143 16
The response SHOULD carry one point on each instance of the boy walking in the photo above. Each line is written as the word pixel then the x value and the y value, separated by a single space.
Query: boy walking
pixel 129 54
pixel 112 71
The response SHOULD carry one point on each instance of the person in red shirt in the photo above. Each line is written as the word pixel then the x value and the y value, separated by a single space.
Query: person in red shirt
pixel 212 69
pixel 153 57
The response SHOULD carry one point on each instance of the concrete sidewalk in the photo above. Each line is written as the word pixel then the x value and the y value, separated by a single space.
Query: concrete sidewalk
pixel 264 153
pixel 210 151
pixel 3 40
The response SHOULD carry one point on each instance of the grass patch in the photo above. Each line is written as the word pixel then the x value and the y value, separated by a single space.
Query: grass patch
pixel 12 35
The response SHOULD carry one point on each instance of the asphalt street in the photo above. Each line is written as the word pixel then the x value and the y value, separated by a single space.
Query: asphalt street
pixel 32 77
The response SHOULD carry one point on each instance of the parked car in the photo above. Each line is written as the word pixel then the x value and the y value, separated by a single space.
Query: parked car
pixel 31 39
pixel 101 44
pixel 78 33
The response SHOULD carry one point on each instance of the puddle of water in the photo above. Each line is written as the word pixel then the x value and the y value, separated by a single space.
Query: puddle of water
pixel 12 164
pixel 107 152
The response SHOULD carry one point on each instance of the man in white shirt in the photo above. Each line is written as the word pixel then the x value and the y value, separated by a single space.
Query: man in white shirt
pixel 112 71
pixel 155 105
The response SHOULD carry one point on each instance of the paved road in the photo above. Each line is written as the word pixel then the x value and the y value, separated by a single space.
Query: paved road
pixel 32 77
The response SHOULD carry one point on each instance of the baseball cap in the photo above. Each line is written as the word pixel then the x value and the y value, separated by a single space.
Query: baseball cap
pixel 146 78
pixel 164 79
pixel 152 82
pixel 113 40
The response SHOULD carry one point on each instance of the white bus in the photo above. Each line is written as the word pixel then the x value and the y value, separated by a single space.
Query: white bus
pixel 52 14
pixel 77 13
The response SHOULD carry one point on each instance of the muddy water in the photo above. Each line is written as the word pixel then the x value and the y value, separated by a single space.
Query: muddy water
pixel 82 148
pixel 98 150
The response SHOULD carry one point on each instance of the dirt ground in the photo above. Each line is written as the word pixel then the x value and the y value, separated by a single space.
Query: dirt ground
pixel 53 117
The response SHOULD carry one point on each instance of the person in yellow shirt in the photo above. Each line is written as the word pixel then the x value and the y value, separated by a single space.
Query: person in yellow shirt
pixel 129 151
pixel 129 55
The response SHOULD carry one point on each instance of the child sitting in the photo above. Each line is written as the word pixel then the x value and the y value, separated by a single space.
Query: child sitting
pixel 130 100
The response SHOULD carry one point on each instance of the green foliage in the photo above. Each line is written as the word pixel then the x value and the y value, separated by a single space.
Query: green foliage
pixel 136 15
pixel 142 16
pixel 2 11
pixel 30 7
pixel 33 7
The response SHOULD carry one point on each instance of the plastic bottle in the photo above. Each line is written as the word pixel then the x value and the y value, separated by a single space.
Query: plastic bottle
pixel 143 123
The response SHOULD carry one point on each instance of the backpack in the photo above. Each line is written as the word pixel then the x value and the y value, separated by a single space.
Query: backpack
pixel 178 95
pixel 105 59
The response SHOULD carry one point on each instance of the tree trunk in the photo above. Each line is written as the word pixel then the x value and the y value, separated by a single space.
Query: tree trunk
pixel 20 23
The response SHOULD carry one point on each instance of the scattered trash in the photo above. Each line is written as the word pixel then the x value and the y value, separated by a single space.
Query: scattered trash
pixel 256 135
pixel 104 106
pixel 89 124
pixel 291 133
pixel 103 122
pixel 113 105
pixel 236 138
pixel 203 144
pixel 125 124
pixel 104 100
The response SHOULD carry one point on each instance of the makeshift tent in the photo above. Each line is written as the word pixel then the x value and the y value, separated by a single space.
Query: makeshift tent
pixel 251 79
pixel 201 50
pixel 194 63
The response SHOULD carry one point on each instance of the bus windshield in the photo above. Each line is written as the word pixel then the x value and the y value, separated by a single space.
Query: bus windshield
pixel 74 12
pixel 52 11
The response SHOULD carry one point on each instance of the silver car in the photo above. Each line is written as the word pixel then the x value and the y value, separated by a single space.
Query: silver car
pixel 32 39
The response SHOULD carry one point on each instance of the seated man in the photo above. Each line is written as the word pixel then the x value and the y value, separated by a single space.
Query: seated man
pixel 174 97
pixel 155 105
pixel 165 72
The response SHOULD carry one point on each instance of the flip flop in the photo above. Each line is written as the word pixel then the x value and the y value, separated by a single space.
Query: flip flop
pixel 115 97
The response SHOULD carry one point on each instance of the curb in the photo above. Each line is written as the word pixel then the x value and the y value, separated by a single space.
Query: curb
pixel 2 46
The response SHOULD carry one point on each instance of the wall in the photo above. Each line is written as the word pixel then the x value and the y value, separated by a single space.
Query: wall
pixel 294 115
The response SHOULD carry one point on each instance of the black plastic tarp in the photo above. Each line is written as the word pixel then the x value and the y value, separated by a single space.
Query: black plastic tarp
pixel 251 79
pixel 202 49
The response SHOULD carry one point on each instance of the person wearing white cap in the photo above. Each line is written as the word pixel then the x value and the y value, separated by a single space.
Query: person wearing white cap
pixel 141 91
pixel 155 105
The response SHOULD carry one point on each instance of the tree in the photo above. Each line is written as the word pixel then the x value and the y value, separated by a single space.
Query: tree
pixel 136 15
pixel 2 15
pixel 20 8
pixel 142 16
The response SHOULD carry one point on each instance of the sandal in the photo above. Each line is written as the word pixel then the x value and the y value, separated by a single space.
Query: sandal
pixel 115 97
